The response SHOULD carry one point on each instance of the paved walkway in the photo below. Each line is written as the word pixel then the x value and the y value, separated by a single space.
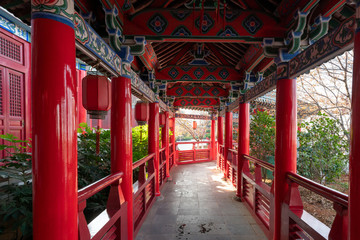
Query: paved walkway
pixel 198 204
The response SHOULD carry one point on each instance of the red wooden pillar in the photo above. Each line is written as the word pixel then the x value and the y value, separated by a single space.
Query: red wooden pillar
pixel 285 148
pixel 121 141
pixel 220 137
pixel 165 142
pixel 354 163
pixel 212 146
pixel 54 118
pixel 228 139
pixel 153 140
pixel 243 145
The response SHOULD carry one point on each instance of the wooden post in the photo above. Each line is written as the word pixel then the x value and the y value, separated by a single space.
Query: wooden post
pixel 54 95
pixel 285 147
pixel 153 140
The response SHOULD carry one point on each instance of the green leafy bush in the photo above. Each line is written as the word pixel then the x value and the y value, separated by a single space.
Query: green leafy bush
pixel 16 165
pixel 262 135
pixel 323 150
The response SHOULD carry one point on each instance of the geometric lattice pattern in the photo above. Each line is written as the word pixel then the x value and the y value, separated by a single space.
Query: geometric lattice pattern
pixel 252 24
pixel 224 73
pixel 173 73
pixel 10 49
pixel 157 23
pixel 197 91
pixel 15 95
pixel 202 102
pixel 198 73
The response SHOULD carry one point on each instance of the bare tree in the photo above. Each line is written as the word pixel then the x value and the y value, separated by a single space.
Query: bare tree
pixel 328 88
pixel 199 133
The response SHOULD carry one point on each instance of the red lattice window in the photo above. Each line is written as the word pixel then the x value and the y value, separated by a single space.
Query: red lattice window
pixel 10 49
pixel 1 92
pixel 15 95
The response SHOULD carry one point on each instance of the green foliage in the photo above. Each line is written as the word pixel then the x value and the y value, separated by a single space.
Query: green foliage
pixel 262 135
pixel 140 142
pixel 17 165
pixel 323 150
pixel 92 167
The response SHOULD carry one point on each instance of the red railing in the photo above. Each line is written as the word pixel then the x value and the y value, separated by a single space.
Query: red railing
pixel 171 155
pixel 162 166
pixel 107 224
pixel 144 189
pixel 256 193
pixel 302 224
pixel 196 154
pixel 221 158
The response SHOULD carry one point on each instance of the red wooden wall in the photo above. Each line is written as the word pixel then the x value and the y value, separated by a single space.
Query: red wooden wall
pixel 15 100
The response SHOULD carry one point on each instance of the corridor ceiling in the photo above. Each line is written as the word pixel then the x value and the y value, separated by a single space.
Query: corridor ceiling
pixel 203 54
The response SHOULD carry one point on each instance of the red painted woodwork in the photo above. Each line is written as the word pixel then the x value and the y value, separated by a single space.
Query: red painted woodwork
pixel 354 163
pixel 220 136
pixel 15 86
pixel 138 26
pixel 173 140
pixel 121 142
pixel 194 125
pixel 228 139
pixel 243 144
pixel 165 141
pixel 197 91
pixel 196 102
pixel 285 149
pixel 80 108
pixel 162 167
pixel 213 143
pixel 142 112
pixel 96 94
pixel 144 197
pixel 153 140
pixel 196 154
pixel 55 204
pixel 162 119
pixel 111 223
pixel 210 76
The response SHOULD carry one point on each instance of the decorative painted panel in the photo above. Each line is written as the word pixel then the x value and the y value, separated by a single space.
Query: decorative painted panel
pixel 165 24
pixel 198 102
pixel 197 74
pixel 197 91
pixel 15 29
pixel 332 44
pixel 193 116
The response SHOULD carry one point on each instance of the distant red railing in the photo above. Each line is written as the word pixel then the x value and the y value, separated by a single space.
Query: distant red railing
pixel 221 158
pixel 256 193
pixel 171 155
pixel 144 189
pixel 195 154
pixel 162 166
pixel 107 224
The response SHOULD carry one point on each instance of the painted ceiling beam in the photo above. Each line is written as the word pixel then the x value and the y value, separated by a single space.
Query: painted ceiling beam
pixel 198 73
pixel 197 102
pixel 263 65
pixel 178 25
pixel 161 3
pixel 218 54
pixel 328 8
pixel 193 116
pixel 149 58
pixel 197 91
pixel 178 56
pixel 253 56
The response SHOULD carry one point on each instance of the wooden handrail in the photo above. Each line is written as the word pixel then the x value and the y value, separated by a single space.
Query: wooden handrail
pixel 162 149
pixel 322 190
pixel 96 187
pixel 261 163
pixel 233 151
pixel 143 160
